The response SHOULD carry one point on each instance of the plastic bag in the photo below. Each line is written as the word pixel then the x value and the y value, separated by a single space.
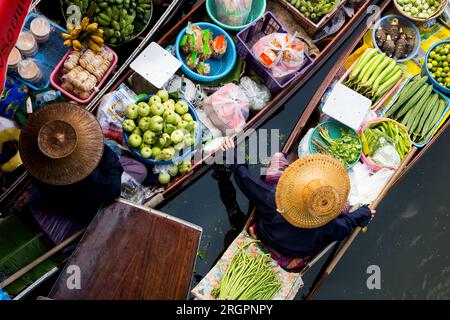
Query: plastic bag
pixel 258 94
pixel 227 108
pixel 385 155
pixel 233 12
pixel 96 64
pixel 303 146
pixel 282 53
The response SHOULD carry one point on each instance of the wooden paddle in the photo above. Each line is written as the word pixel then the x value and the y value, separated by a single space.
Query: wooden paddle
pixel 332 264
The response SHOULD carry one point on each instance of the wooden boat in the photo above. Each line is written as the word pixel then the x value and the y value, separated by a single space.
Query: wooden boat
pixel 163 12
pixel 310 119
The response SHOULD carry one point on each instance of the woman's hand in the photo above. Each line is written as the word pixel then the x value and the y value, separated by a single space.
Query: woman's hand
pixel 228 143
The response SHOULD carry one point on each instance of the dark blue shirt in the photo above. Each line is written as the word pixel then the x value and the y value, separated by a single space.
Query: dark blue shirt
pixel 278 233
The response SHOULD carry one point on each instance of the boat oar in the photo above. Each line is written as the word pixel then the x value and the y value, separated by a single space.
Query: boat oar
pixel 332 264
pixel 40 259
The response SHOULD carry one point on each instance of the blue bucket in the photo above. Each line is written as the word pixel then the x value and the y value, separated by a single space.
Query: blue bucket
pixel 198 136
pixel 219 67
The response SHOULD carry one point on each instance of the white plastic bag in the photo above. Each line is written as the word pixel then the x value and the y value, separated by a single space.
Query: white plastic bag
pixel 282 53
pixel 233 12
pixel 303 146
pixel 258 94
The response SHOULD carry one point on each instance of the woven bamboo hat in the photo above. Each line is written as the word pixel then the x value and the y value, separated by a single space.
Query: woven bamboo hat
pixel 312 191
pixel 61 144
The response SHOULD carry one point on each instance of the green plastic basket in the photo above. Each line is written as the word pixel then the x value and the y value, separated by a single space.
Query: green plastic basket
pixel 256 12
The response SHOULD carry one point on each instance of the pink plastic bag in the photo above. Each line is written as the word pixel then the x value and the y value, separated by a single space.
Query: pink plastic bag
pixel 227 108
pixel 282 53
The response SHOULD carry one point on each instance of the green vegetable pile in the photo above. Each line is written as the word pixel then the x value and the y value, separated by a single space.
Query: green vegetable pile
pixel 374 74
pixel 370 138
pixel 314 9
pixel 418 108
pixel 422 9
pixel 346 148
pixel 120 19
pixel 248 278
pixel 438 64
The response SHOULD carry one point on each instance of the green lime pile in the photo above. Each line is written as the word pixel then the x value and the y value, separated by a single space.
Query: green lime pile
pixel 438 64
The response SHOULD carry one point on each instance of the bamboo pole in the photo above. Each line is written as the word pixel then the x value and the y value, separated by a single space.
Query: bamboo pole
pixel 332 264
pixel 41 259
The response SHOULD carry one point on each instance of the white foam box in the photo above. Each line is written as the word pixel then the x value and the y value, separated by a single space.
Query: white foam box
pixel 347 106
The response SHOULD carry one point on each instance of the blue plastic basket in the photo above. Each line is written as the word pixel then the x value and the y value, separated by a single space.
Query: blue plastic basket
pixel 219 67
pixel 49 54
pixel 447 108
pixel 334 131
pixel 432 80
pixel 405 22
pixel 198 136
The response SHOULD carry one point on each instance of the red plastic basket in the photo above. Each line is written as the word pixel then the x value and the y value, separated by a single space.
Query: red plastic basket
pixel 264 26
pixel 56 78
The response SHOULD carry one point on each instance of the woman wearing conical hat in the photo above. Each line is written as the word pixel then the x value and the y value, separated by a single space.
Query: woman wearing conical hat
pixel 300 207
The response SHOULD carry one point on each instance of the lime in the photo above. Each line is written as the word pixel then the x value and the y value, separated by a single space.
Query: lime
pixel 432 54
pixel 430 66
pixel 434 63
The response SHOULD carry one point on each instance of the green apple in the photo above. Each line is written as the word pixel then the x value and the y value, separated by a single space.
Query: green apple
pixel 156 151
pixel 154 99
pixel 135 140
pixel 129 125
pixel 168 153
pixel 157 109
pixel 181 107
pixel 156 123
pixel 189 140
pixel 164 178
pixel 184 167
pixel 144 109
pixel 149 137
pixel 187 117
pixel 191 126
pixel 137 131
pixel 132 111
pixel 169 105
pixel 146 152
pixel 144 123
pixel 182 124
pixel 173 170
pixel 164 140
pixel 163 94
pixel 177 136
pixel 169 128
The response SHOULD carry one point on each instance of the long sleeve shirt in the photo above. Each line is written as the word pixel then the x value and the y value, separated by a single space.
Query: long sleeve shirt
pixel 277 232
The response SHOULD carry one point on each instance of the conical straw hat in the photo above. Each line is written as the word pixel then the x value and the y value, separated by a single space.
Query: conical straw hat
pixel 61 144
pixel 312 191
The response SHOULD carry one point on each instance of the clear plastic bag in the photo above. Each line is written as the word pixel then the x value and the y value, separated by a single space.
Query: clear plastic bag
pixel 257 94
pixel 385 155
pixel 233 12
pixel 227 108
pixel 96 64
pixel 282 53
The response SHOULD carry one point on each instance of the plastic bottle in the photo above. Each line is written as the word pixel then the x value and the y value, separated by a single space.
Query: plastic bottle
pixel 47 96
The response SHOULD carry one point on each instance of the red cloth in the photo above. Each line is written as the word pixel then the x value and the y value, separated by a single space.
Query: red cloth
pixel 13 13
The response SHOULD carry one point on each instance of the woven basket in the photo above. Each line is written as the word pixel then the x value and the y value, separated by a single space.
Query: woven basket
pixel 421 20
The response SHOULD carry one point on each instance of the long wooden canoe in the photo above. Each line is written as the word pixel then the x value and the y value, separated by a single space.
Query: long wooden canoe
pixel 162 15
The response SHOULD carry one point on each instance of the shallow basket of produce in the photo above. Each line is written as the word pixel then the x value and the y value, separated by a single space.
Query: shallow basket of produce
pixel 338 141
pixel 160 131
pixel 80 74
pixel 437 66
pixel 385 143
pixel 251 35
pixel 420 108
pixel 375 76
pixel 121 20
pixel 421 11
pixel 313 15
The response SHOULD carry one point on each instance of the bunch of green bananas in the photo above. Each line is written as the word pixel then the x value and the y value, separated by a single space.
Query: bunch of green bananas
pixel 314 9
pixel 116 17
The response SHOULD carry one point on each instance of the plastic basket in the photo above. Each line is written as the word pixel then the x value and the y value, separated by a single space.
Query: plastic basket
pixel 436 126
pixel 219 67
pixel 369 124
pixel 432 80
pixel 334 131
pixel 198 136
pixel 257 10
pixel 56 78
pixel 48 55
pixel 264 26
pixel 404 22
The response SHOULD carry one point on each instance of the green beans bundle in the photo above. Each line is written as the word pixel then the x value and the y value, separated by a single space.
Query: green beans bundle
pixel 374 74
pixel 314 9
pixel 248 278
pixel 418 108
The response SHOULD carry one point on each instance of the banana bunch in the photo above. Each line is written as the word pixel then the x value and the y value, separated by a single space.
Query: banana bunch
pixel 85 33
